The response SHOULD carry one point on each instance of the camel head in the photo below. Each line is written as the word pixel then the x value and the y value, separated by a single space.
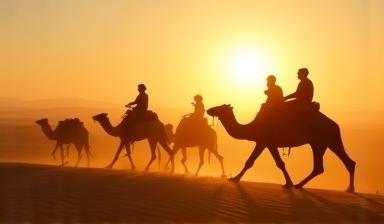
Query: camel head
pixel 100 117
pixel 220 111
pixel 42 122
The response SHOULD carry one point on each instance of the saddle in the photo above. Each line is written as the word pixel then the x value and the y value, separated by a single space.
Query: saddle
pixel 71 123
pixel 133 117
pixel 286 114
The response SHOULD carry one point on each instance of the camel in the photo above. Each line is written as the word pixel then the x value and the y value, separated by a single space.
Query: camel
pixel 205 138
pixel 314 128
pixel 152 130
pixel 76 135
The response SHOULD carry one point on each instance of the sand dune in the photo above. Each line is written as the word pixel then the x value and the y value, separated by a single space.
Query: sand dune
pixel 43 193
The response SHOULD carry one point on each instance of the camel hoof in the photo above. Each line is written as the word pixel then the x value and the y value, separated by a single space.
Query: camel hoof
pixel 133 168
pixel 234 179
pixel 108 167
pixel 298 186
pixel 223 176
pixel 350 190
pixel 287 185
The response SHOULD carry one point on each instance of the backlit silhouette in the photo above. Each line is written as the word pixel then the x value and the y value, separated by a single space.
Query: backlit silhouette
pixel 204 138
pixel 194 131
pixel 304 91
pixel 274 92
pixel 151 129
pixel 141 100
pixel 69 131
pixel 288 130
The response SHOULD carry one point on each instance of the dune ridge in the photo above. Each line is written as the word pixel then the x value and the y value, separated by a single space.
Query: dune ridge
pixel 45 193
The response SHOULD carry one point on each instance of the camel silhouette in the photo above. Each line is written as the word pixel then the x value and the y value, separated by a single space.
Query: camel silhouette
pixel 314 128
pixel 204 138
pixel 153 130
pixel 63 134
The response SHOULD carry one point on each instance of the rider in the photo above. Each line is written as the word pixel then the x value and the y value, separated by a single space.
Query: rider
pixel 199 106
pixel 304 92
pixel 141 101
pixel 274 92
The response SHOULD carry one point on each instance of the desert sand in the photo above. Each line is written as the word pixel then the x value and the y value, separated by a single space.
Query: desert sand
pixel 45 193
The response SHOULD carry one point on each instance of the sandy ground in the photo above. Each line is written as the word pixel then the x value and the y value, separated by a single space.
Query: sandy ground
pixel 43 193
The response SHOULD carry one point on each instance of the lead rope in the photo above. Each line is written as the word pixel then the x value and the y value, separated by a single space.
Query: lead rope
pixel 286 154
pixel 213 122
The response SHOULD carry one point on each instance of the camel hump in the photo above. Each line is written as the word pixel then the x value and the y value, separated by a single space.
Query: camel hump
pixel 70 123
pixel 152 115
pixel 193 126
pixel 133 117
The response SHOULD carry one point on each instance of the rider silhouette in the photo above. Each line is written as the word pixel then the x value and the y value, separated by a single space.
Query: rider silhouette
pixel 141 101
pixel 304 92
pixel 199 106
pixel 274 92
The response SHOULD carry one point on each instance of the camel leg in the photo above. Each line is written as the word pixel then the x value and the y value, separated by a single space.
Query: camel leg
pixel 62 155
pixel 348 163
pixel 68 150
pixel 79 155
pixel 87 153
pixel 175 150
pixel 184 159
pixel 201 154
pixel 318 153
pixel 116 155
pixel 152 144
pixel 128 149
pixel 256 153
pixel 159 155
pixel 280 163
pixel 171 153
pixel 220 158
pixel 53 153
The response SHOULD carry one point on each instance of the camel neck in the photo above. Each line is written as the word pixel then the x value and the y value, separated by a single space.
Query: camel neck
pixel 47 130
pixel 107 126
pixel 235 129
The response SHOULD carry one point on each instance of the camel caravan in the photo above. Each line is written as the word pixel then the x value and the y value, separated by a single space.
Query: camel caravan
pixel 289 121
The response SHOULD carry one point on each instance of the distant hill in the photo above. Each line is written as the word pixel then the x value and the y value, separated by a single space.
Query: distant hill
pixel 12 110
pixel 25 111
pixel 12 103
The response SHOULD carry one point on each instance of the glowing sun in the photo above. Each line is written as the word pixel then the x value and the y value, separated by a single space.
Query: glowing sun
pixel 247 68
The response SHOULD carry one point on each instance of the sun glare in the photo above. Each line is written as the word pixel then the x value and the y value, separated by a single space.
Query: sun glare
pixel 247 68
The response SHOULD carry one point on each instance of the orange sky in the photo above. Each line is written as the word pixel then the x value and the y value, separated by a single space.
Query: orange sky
pixel 100 50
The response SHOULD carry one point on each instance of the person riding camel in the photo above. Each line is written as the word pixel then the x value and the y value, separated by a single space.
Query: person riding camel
pixel 199 106
pixel 141 101
pixel 274 92
pixel 140 111
pixel 304 92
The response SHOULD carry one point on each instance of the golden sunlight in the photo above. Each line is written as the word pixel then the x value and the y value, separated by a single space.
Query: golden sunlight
pixel 248 69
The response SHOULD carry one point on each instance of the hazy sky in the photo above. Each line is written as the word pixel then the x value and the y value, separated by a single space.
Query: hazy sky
pixel 100 50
